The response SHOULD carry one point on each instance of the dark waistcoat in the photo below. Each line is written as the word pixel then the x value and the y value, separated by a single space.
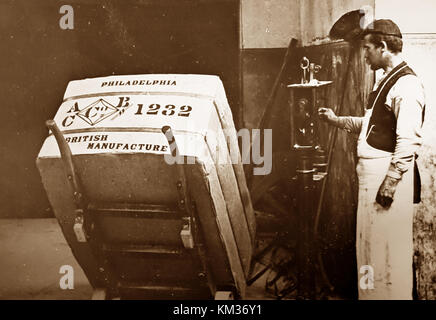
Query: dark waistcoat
pixel 382 125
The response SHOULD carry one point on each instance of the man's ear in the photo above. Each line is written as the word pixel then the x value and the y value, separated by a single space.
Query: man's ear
pixel 384 45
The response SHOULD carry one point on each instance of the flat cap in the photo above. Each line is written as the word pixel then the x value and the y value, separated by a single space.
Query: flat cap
pixel 383 26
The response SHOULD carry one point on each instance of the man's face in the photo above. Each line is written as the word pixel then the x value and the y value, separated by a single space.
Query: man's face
pixel 373 54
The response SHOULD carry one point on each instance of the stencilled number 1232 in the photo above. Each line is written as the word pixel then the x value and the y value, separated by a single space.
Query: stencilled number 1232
pixel 167 110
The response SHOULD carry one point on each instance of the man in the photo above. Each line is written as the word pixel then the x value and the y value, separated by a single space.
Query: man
pixel 389 136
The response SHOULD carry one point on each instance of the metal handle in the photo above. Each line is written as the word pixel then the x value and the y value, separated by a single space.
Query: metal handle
pixel 67 159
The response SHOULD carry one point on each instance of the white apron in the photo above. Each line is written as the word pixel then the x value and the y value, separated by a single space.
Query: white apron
pixel 384 237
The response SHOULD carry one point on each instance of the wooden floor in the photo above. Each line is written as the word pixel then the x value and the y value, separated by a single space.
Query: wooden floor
pixel 32 252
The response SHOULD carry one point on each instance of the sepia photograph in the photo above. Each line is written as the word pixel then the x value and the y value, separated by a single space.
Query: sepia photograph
pixel 203 150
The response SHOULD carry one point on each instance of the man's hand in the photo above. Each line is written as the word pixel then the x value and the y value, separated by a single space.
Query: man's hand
pixel 327 114
pixel 385 194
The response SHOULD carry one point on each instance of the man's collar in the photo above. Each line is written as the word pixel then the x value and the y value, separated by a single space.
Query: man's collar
pixel 396 60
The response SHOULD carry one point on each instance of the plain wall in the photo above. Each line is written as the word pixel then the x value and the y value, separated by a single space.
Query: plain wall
pixel 269 23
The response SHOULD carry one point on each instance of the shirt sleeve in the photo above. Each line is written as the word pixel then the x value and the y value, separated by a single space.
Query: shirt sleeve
pixel 407 102
pixel 350 124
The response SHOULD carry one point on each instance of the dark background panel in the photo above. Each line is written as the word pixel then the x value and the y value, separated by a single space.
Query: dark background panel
pixel 38 59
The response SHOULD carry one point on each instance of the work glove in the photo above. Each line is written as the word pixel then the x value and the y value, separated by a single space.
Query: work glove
pixel 385 194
